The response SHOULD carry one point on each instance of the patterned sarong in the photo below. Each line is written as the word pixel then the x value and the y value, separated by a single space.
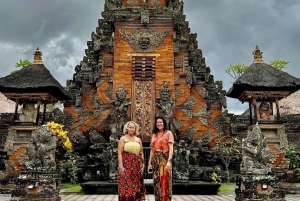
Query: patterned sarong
pixel 131 185
pixel 162 178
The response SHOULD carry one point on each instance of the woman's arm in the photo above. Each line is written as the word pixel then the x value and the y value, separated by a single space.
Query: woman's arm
pixel 150 160
pixel 120 152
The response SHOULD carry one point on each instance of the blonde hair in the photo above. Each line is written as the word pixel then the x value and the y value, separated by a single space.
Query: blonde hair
pixel 137 127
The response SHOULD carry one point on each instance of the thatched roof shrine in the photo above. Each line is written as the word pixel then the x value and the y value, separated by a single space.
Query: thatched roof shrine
pixel 263 77
pixel 35 78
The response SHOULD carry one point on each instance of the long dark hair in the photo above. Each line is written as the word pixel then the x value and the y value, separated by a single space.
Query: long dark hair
pixel 155 129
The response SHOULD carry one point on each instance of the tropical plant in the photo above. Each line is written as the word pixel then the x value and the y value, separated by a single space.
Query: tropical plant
pixel 228 150
pixel 293 156
pixel 216 178
pixel 61 135
pixel 22 63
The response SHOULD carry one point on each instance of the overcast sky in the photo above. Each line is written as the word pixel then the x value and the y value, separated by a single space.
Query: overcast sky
pixel 228 31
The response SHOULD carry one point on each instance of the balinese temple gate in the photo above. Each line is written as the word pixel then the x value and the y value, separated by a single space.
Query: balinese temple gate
pixel 142 61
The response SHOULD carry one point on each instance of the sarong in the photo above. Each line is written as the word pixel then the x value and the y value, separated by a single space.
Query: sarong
pixel 162 179
pixel 131 185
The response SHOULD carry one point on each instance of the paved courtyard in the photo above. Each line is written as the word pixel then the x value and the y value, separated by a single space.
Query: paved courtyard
pixel 227 197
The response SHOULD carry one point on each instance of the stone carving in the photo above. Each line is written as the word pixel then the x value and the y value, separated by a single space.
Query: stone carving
pixel 22 158
pixel 187 106
pixel 41 150
pixel 96 139
pixel 109 91
pixel 217 123
pixel 207 138
pixel 203 115
pixel 113 162
pixel 79 141
pixel 178 63
pixel 144 40
pixel 145 19
pixel 155 3
pixel 255 153
pixel 119 116
pixel 178 92
pixel 132 2
pixel 201 91
pixel 265 112
pixel 108 62
pixel 111 5
pixel 29 113
pixel 165 109
pixel 189 135
pixel 181 162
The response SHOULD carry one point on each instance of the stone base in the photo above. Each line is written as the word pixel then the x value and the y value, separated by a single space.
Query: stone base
pixel 190 188
pixel 259 188
pixel 57 198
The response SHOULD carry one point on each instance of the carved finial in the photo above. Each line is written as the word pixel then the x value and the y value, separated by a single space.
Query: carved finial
pixel 257 55
pixel 37 56
pixel 165 90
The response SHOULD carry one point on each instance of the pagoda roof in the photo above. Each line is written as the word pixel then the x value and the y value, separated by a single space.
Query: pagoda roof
pixel 34 78
pixel 263 77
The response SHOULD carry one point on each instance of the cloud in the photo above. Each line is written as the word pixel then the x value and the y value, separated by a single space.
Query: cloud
pixel 227 31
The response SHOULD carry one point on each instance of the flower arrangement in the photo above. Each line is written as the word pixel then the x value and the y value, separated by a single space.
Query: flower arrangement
pixel 215 178
pixel 61 135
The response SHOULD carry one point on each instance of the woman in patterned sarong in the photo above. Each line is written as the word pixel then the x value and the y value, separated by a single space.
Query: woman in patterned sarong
pixel 160 160
pixel 131 165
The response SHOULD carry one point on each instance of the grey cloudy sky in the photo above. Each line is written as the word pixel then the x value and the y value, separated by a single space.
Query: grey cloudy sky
pixel 228 31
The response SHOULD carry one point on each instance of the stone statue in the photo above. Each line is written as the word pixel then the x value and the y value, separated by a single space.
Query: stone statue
pixel 181 162
pixel 255 153
pixel 265 112
pixel 113 159
pixel 165 109
pixel 29 113
pixel 41 150
pixel 119 116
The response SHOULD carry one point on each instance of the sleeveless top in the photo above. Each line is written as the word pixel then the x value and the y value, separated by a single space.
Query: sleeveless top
pixel 132 147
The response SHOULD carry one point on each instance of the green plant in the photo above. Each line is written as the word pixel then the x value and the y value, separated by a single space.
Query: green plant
pixel 224 189
pixel 22 63
pixel 228 148
pixel 293 156
pixel 215 178
pixel 75 189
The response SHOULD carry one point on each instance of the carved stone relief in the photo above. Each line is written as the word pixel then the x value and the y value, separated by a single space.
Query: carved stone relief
pixel 155 3
pixel 187 106
pixel 217 123
pixel 201 91
pixel 189 135
pixel 22 158
pixel 109 92
pixel 178 63
pixel 203 115
pixel 108 62
pixel 178 92
pixel 110 76
pixel 207 138
pixel 144 40
pixel 145 18
pixel 132 2
pixel 176 78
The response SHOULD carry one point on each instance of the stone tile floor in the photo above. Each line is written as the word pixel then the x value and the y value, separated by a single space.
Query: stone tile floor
pixel 227 197
pixel 220 197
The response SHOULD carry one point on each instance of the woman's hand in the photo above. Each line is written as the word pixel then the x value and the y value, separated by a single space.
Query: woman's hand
pixel 122 171
pixel 142 169
pixel 169 166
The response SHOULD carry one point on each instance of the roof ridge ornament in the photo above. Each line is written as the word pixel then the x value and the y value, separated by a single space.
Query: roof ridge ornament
pixel 38 56
pixel 257 55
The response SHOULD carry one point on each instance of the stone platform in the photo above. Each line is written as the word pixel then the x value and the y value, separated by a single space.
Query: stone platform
pixel 190 188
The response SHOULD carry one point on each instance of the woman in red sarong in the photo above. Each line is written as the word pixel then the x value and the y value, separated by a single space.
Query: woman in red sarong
pixel 161 160
pixel 131 165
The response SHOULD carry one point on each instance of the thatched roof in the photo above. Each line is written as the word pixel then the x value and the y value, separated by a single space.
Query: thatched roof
pixel 33 78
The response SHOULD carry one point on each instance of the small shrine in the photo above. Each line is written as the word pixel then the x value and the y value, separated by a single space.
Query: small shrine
pixel 262 86
pixel 31 88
